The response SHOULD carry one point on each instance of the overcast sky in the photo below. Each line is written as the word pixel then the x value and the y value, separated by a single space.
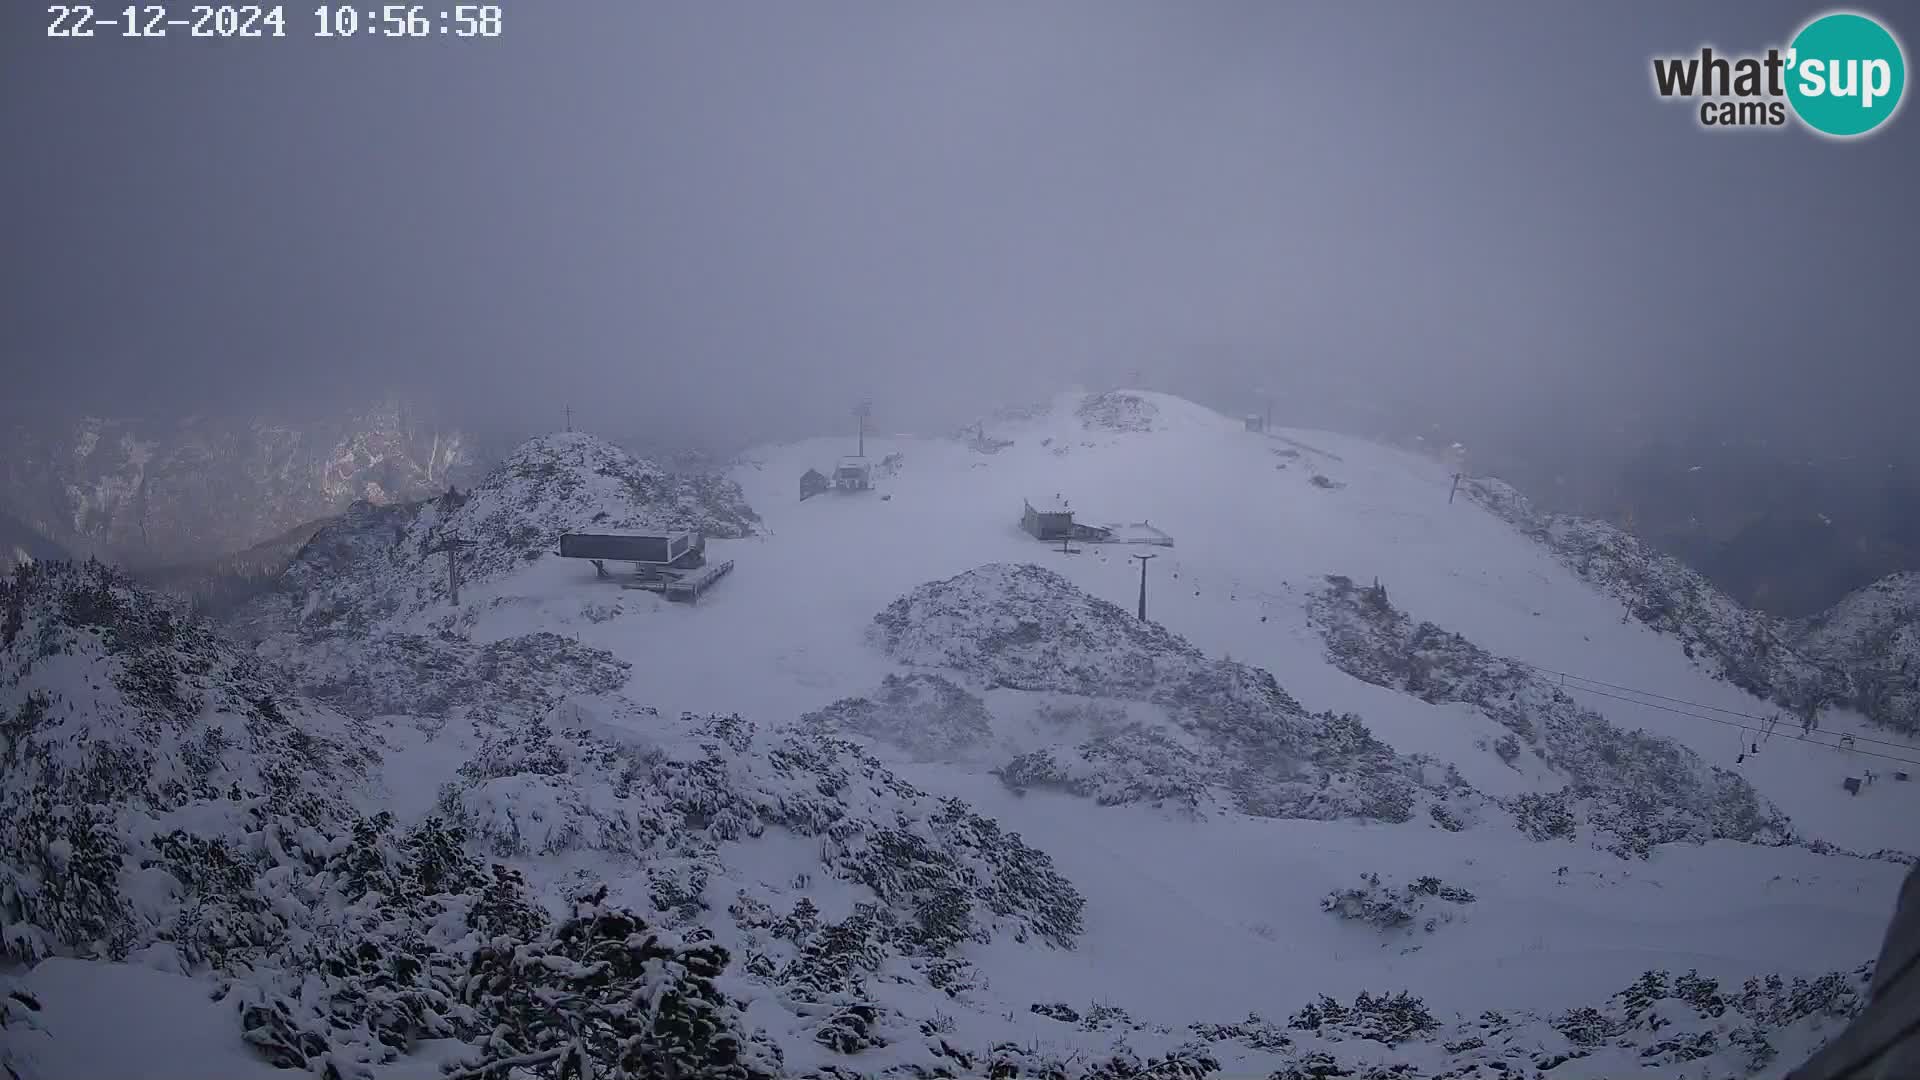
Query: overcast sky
pixel 746 214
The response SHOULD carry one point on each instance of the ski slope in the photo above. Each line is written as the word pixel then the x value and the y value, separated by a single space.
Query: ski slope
pixel 1251 539
pixel 786 633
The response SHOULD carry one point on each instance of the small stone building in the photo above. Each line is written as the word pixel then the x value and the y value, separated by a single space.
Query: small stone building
pixel 1047 519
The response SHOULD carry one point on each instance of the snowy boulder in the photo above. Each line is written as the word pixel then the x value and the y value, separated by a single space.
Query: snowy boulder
pixel 1425 903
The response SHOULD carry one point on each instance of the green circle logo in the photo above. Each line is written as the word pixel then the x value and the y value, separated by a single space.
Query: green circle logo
pixel 1845 74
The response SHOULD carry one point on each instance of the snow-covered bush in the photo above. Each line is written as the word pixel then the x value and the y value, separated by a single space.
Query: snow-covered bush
pixel 422 941
pixel 133 740
pixel 940 872
pixel 1668 1020
pixel 926 714
pixel 1386 906
pixel 1662 1025
pixel 1133 764
pixel 1254 1033
pixel 393 915
pixel 1389 1019
pixel 441 675
pixel 165 796
pixel 604 994
pixel 1008 1061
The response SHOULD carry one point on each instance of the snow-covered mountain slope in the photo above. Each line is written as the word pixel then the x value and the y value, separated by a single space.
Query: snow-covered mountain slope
pixel 149 768
pixel 217 586
pixel 20 542
pixel 1873 635
pixel 169 806
pixel 152 493
pixel 122 719
pixel 1859 654
pixel 1255 803
pixel 1636 789
pixel 1748 648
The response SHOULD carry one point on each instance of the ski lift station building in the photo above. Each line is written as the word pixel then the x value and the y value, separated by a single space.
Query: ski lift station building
pixel 673 564
pixel 1047 519
pixel 853 474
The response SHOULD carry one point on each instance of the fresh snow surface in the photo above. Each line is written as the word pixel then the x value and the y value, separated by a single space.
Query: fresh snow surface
pixel 787 632
pixel 1189 916
pixel 163 1027
pixel 1253 536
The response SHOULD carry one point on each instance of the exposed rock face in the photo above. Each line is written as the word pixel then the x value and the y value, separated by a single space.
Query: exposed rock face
pixel 149 493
